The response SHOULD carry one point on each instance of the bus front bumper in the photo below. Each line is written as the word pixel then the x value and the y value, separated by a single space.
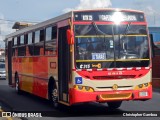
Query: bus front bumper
pixel 77 96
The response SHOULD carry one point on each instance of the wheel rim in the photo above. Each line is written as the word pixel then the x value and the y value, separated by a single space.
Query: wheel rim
pixel 55 97
pixel 17 84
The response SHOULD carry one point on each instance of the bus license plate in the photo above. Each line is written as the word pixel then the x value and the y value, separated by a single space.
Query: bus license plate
pixel 143 94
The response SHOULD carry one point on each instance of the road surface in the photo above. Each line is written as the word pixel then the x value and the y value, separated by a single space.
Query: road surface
pixel 11 101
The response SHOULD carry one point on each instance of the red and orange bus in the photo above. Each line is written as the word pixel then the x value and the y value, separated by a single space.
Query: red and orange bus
pixel 100 55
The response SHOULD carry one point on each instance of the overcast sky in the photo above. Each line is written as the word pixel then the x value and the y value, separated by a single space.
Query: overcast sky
pixel 40 10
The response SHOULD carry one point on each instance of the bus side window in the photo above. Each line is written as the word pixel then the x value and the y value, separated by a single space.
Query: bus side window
pixel 22 46
pixel 31 48
pixel 29 42
pixel 39 43
pixel 22 51
pixel 39 49
pixel 50 41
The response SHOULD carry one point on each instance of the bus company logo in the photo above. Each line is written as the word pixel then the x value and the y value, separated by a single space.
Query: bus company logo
pixel 115 87
pixel 6 114
pixel 97 65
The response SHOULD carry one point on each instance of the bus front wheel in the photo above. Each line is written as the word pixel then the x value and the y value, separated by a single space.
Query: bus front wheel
pixel 114 105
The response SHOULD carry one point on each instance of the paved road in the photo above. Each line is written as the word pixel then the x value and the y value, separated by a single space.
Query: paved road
pixel 26 102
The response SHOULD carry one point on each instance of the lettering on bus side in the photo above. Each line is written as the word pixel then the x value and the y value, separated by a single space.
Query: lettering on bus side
pixel 85 66
pixel 115 73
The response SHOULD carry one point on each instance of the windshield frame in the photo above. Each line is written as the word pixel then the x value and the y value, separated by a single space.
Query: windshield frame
pixel 113 36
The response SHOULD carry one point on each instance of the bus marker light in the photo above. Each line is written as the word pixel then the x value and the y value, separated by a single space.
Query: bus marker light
pixel 143 94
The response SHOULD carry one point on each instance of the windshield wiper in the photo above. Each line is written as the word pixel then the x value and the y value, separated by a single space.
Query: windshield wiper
pixel 126 30
pixel 125 34
pixel 97 29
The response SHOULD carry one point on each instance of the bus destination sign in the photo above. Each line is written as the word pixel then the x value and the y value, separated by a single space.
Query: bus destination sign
pixel 109 16
pixel 112 17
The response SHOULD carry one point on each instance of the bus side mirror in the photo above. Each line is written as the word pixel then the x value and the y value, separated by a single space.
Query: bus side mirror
pixel 70 38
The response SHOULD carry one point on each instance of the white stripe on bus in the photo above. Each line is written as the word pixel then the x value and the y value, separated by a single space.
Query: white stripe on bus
pixel 110 69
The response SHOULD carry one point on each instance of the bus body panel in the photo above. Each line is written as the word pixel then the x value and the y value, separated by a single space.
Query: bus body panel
pixel 105 87
pixel 34 73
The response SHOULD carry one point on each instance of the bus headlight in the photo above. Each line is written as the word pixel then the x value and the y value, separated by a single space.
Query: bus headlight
pixel 143 86
pixel 87 88
pixel 80 87
pixel 140 86
pixel 84 88
pixel 146 84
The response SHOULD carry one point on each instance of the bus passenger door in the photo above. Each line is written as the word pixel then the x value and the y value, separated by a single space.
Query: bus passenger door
pixel 9 62
pixel 63 64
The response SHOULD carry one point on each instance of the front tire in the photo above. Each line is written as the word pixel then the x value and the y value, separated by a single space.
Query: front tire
pixel 114 105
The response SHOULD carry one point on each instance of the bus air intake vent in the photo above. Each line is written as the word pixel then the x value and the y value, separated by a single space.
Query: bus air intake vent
pixel 111 87
pixel 116 96
pixel 114 77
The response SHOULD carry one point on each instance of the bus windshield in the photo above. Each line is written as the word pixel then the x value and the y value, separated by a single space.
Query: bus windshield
pixel 111 46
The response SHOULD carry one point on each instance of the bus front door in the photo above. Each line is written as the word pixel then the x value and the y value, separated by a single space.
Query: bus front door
pixel 10 62
pixel 63 64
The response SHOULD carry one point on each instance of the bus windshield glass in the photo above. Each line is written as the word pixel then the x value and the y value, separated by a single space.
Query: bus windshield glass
pixel 111 46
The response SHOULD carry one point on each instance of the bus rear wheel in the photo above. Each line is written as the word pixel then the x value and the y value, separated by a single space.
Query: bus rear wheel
pixel 17 87
pixel 114 105
pixel 53 96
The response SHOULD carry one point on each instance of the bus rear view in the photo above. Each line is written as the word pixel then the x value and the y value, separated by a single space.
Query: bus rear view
pixel 111 57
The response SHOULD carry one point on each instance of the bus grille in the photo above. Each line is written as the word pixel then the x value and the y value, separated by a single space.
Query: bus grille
pixel 116 96
pixel 114 77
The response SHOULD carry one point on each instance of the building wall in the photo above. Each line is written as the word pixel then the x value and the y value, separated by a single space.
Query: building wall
pixel 155 34
pixel 156 67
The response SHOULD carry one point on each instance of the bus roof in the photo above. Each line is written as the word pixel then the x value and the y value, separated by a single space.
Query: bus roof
pixel 62 17
pixel 40 25
pixel 109 9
